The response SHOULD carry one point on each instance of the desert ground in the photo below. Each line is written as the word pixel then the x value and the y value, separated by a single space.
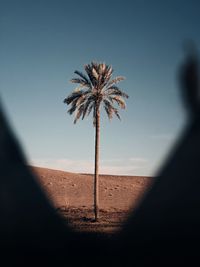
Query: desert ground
pixel 72 196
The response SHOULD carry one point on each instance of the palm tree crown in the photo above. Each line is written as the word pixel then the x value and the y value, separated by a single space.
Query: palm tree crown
pixel 95 89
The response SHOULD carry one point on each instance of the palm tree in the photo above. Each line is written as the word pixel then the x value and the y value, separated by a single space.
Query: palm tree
pixel 94 90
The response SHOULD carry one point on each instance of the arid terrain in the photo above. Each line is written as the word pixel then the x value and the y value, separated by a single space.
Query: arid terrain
pixel 72 196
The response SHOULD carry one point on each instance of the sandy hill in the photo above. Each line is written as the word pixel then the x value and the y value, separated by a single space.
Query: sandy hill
pixel 67 189
pixel 72 195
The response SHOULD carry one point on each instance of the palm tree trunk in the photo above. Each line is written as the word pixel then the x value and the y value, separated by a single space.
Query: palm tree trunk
pixel 96 171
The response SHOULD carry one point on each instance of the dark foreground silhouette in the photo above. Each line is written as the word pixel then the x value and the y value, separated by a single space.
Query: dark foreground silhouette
pixel 163 231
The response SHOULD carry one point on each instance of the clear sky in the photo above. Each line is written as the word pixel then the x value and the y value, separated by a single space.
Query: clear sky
pixel 43 42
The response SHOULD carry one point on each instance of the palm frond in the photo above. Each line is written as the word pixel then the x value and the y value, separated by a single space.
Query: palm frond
pixel 107 74
pixel 109 71
pixel 73 96
pixel 88 69
pixel 117 114
pixel 95 66
pixel 85 109
pixel 78 113
pixel 119 100
pixel 78 80
pixel 102 67
pixel 116 80
pixel 110 109
pixel 92 105
pixel 109 113
pixel 114 90
pixel 95 74
pixel 81 100
pixel 82 82
pixel 88 103
pixel 75 104
pixel 82 76
pixel 72 109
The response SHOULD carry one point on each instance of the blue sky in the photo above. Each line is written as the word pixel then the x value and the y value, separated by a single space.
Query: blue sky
pixel 43 42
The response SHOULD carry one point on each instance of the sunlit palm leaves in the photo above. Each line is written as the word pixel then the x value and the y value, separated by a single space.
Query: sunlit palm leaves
pixel 95 90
